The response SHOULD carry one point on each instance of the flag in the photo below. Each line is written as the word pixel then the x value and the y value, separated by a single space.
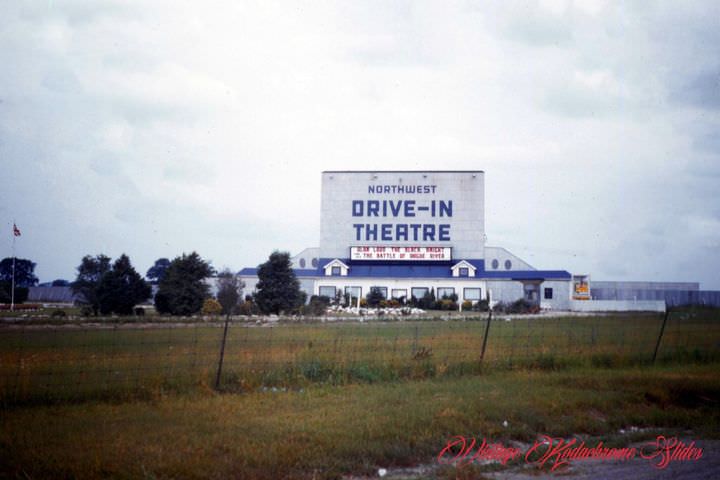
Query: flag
pixel 16 231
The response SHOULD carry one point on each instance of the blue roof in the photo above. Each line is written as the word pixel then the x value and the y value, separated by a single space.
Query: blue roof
pixel 383 270
pixel 526 275
pixel 298 272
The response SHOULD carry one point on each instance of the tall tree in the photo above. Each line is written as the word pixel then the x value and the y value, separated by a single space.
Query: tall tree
pixel 121 288
pixel 157 271
pixel 183 288
pixel 24 278
pixel 229 290
pixel 90 272
pixel 278 289
pixel 24 272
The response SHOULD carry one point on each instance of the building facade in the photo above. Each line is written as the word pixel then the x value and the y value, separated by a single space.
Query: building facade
pixel 409 232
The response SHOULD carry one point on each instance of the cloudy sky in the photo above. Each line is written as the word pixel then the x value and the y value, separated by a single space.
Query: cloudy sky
pixel 155 128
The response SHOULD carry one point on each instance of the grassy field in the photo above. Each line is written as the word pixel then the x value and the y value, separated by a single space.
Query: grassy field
pixel 120 361
pixel 333 431
pixel 327 400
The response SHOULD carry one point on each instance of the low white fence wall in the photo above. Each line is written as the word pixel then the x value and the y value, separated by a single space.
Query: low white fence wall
pixel 617 305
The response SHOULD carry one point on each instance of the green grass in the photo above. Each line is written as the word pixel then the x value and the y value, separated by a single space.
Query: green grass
pixel 119 362
pixel 329 431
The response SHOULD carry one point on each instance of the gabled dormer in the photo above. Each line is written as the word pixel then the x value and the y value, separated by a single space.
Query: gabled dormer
pixel 336 268
pixel 463 269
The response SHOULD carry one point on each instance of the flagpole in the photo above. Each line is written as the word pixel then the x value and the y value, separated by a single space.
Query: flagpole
pixel 12 284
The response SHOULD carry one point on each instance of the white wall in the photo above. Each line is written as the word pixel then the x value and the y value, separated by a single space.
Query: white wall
pixel 505 290
pixel 508 291
pixel 502 255
pixel 307 259
pixel 408 284
pixel 501 290
pixel 561 295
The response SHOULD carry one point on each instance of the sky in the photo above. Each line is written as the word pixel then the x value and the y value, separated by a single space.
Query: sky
pixel 154 128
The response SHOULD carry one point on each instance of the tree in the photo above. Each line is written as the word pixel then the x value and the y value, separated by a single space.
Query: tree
pixel 278 289
pixel 24 278
pixel 121 288
pixel 182 289
pixel 229 291
pixel 211 307
pixel 90 272
pixel 24 272
pixel 427 302
pixel 374 297
pixel 157 271
pixel 60 283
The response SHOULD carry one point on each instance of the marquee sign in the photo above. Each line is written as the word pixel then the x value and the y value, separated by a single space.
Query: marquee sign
pixel 414 254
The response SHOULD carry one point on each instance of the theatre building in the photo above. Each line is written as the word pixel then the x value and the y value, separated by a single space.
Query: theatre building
pixel 408 232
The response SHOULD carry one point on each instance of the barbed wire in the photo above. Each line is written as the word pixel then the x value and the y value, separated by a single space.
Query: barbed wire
pixel 56 364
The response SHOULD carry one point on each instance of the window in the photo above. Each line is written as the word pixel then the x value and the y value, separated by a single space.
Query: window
pixel 472 294
pixel 327 292
pixel 464 271
pixel 302 263
pixel 508 264
pixel 335 271
pixel 314 262
pixel 419 292
pixel 354 292
pixel 382 290
pixel 445 292
pixel 495 264
pixel 399 293
pixel 548 294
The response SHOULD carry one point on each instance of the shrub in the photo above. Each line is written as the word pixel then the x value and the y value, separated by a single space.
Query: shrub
pixel 467 305
pixel 374 297
pixel 317 306
pixel 446 304
pixel 58 314
pixel 211 307
pixel 518 306
pixel 364 373
pixel 482 306
pixel 247 308
pixel 428 300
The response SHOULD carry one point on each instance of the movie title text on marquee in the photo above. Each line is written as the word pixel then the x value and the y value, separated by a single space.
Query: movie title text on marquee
pixel 415 254
pixel 405 217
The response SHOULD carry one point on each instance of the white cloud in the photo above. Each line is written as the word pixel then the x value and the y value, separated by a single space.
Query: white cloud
pixel 159 128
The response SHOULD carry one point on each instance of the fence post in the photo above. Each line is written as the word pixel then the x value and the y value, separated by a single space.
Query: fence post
pixel 222 352
pixel 662 330
pixel 487 329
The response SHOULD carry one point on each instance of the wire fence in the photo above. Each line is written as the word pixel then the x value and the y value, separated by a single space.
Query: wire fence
pixel 66 363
